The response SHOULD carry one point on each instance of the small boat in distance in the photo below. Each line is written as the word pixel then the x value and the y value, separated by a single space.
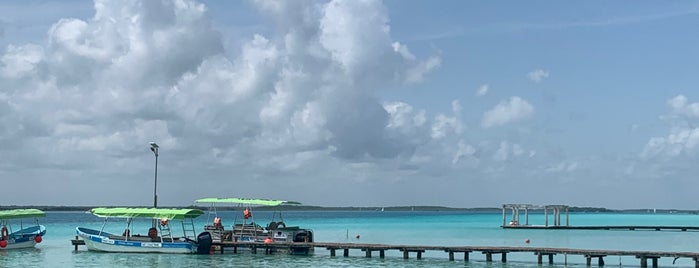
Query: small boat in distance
pixel 159 239
pixel 24 237
pixel 249 230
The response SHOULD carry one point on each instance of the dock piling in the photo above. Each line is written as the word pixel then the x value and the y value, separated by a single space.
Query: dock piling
pixel 539 257
pixel 600 261
pixel 644 260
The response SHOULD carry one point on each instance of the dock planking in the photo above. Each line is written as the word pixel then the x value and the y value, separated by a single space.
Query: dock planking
pixel 606 227
pixel 488 251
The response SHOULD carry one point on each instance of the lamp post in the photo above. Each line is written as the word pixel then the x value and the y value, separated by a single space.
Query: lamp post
pixel 154 148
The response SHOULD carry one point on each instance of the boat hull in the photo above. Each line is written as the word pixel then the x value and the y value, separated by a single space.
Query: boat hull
pixel 105 242
pixel 11 244
pixel 254 233
pixel 24 238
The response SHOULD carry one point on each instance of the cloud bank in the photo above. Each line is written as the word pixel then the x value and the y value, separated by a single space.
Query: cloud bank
pixel 293 101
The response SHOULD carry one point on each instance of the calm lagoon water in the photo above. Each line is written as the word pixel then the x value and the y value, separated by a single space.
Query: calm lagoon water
pixel 408 228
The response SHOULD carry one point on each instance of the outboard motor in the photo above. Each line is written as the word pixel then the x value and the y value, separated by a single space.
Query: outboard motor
pixel 303 236
pixel 204 243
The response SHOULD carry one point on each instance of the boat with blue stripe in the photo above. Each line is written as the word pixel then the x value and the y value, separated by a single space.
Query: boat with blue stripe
pixel 24 237
pixel 160 237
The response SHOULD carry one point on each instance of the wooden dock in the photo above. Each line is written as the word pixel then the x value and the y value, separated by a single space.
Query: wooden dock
pixel 607 227
pixel 488 251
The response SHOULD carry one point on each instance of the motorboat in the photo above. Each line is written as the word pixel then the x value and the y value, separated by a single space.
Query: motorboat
pixel 15 233
pixel 160 238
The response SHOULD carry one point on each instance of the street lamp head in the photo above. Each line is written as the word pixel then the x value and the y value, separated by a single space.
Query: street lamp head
pixel 153 145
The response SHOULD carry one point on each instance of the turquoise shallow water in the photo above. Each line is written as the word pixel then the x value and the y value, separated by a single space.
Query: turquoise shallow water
pixel 406 228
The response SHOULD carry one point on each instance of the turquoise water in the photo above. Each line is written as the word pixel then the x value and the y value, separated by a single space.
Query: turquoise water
pixel 406 228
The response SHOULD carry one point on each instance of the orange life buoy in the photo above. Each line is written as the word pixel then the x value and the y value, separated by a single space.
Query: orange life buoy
pixel 5 233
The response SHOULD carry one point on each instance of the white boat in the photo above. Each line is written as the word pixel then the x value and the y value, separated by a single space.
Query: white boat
pixel 25 237
pixel 159 239
pixel 246 229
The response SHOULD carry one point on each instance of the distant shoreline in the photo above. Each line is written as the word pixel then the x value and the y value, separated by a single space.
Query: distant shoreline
pixel 391 208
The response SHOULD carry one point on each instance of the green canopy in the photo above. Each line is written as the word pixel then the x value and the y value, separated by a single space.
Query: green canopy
pixel 154 213
pixel 247 201
pixel 21 213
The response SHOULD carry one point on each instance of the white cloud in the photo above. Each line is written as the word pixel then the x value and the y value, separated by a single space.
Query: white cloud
pixel 294 103
pixel 507 150
pixel 506 112
pixel 538 75
pixel 678 142
pixel 444 125
pixel 563 166
pixel 362 45
pixel 482 90
pixel 298 99
pixel 680 106
pixel 464 150
pixel 416 74
pixel 20 61
pixel 683 138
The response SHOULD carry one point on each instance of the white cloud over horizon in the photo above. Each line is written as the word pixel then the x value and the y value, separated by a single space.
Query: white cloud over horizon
pixel 327 102
pixel 683 139
pixel 156 71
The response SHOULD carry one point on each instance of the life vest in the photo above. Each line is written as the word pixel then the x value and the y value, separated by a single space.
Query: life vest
pixel 5 233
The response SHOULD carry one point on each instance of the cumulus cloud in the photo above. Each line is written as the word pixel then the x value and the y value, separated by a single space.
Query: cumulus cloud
pixel 482 90
pixel 683 138
pixel 538 75
pixel 444 125
pixel 20 61
pixel 680 106
pixel 362 45
pixel 299 99
pixel 507 111
pixel 679 141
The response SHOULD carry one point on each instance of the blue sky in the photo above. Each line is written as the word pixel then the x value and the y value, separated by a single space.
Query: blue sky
pixel 352 103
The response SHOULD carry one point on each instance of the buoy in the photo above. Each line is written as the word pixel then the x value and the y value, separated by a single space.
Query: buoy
pixel 3 243
pixel 527 241
pixel 38 239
